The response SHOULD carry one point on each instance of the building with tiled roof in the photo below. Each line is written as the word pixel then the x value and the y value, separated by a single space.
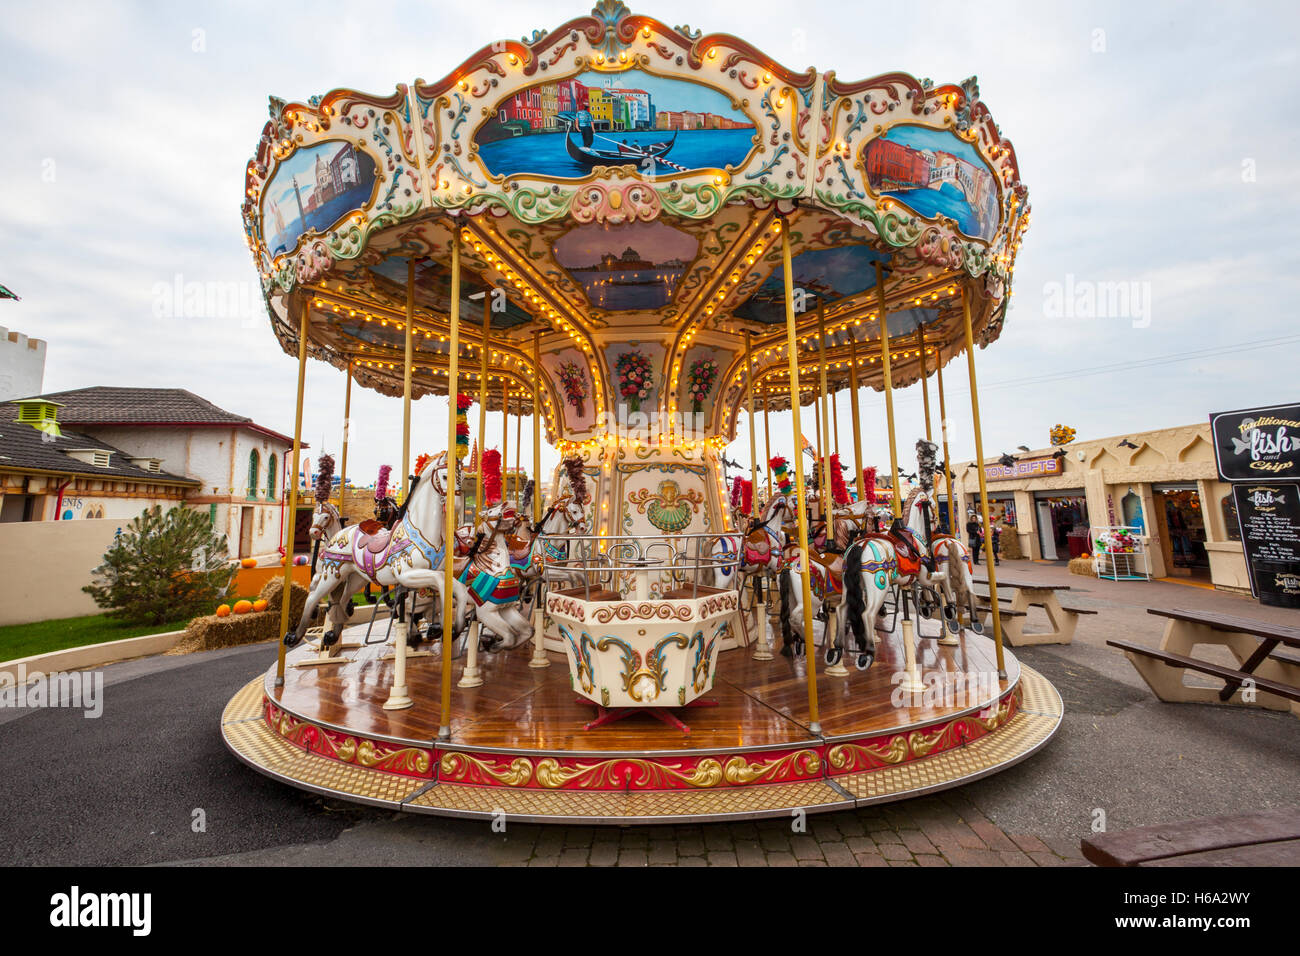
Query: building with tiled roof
pixel 218 461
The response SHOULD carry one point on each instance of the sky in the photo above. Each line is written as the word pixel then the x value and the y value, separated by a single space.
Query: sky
pixel 1159 142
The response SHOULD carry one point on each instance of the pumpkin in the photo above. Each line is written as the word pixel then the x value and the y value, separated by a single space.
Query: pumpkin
pixel 248 563
pixel 260 604
pixel 223 610
pixel 242 607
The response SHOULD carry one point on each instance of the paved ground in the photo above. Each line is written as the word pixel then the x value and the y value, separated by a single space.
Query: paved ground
pixel 124 788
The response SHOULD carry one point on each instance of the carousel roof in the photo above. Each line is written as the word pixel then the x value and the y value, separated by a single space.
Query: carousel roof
pixel 617 191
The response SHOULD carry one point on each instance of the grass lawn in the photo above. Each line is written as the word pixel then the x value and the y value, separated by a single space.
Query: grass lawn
pixel 40 637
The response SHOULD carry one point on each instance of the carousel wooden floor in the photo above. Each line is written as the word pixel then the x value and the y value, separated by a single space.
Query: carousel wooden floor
pixel 760 704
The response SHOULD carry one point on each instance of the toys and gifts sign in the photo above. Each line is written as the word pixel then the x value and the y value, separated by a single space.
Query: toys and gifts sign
pixel 1269 515
pixel 1258 443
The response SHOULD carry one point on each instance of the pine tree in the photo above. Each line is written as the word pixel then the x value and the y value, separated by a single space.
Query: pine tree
pixel 163 567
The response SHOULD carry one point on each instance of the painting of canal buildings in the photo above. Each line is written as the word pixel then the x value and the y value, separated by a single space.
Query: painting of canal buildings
pixel 312 190
pixel 935 173
pixel 634 266
pixel 567 128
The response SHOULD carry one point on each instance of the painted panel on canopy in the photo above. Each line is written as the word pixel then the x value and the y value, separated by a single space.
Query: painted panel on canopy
pixel 700 381
pixel 433 291
pixel 569 370
pixel 935 173
pixel 312 190
pixel 634 266
pixel 824 275
pixel 636 370
pixel 563 129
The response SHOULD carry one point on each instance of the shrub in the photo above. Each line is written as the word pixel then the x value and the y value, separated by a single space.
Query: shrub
pixel 162 566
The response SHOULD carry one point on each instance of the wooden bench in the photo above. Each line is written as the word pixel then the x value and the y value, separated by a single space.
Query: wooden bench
pixel 1268 838
pixel 1035 594
pixel 1273 673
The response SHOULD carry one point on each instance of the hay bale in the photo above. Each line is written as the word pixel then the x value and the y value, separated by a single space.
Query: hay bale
pixel 210 632
pixel 1083 565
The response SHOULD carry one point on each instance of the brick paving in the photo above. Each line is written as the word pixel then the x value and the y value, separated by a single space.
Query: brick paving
pixel 941 830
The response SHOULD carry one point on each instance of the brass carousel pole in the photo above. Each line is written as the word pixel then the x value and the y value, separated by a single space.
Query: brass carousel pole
pixel 291 524
pixel 828 501
pixel 449 514
pixel 519 442
pixel 912 681
pixel 749 407
pixel 482 407
pixel 399 696
pixel 505 438
pixel 347 429
pixel 828 504
pixel 767 444
pixel 984 491
pixel 925 383
pixel 853 409
pixel 792 342
pixel 835 417
pixel 947 462
pixel 539 658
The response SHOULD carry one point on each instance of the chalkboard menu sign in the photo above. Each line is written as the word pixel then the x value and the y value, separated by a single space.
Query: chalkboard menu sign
pixel 1269 515
pixel 1258 444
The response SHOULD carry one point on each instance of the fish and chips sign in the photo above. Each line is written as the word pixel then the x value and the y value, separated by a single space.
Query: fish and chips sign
pixel 1258 443
pixel 1025 468
pixel 1258 450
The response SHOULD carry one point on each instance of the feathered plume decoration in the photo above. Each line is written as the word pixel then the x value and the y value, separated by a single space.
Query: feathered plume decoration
pixel 869 484
pixel 324 477
pixel 381 485
pixel 577 479
pixel 736 484
pixel 839 493
pixel 526 505
pixel 491 476
pixel 463 402
pixel 782 473
pixel 747 497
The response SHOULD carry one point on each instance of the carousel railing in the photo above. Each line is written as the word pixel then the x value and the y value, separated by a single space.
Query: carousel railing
pixel 608 567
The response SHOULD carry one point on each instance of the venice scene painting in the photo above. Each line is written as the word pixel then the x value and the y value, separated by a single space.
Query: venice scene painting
pixel 627 267
pixel 312 190
pixel 935 174
pixel 567 128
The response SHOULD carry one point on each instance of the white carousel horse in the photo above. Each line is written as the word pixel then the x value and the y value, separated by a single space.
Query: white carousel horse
pixel 760 546
pixel 550 543
pixel 484 567
pixel 947 573
pixel 325 522
pixel 410 556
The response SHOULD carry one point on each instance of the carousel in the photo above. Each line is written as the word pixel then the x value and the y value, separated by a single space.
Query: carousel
pixel 641 238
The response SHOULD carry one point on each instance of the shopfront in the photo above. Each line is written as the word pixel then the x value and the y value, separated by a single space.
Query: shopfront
pixel 1161 484
pixel 1062 523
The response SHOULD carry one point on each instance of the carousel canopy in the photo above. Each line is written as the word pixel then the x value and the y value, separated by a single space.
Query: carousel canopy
pixel 616 190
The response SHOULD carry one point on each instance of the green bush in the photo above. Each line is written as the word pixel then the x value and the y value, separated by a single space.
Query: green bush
pixel 163 566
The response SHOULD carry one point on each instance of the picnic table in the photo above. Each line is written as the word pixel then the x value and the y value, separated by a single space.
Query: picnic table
pixel 1267 673
pixel 1032 594
pixel 1267 838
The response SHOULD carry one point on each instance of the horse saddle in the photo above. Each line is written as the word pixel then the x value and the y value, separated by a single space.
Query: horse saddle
pixel 373 537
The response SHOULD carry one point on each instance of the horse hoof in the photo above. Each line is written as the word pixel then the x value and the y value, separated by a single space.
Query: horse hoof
pixel 329 638
pixel 833 656
pixel 863 661
pixel 949 613
pixel 351 607
pixel 291 639
pixel 953 626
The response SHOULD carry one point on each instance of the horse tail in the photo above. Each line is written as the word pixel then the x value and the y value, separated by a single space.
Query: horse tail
pixel 787 598
pixel 857 606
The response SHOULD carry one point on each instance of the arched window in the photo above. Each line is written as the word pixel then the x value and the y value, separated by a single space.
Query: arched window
pixel 270 478
pixel 253 471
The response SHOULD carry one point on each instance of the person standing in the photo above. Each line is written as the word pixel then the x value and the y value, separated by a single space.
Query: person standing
pixel 973 534
pixel 997 543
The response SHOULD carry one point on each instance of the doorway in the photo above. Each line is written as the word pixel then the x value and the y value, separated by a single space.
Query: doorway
pixel 1062 525
pixel 1181 521
pixel 245 532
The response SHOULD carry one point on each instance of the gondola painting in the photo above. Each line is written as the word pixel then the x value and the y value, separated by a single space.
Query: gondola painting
pixel 567 128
